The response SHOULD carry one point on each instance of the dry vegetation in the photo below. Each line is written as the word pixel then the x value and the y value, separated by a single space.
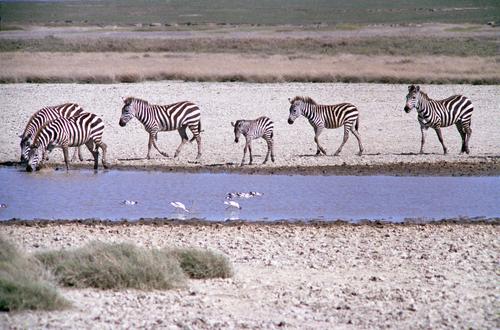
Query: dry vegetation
pixel 133 67
pixel 22 284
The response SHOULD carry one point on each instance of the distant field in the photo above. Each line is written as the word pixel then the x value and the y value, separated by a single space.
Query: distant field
pixel 270 12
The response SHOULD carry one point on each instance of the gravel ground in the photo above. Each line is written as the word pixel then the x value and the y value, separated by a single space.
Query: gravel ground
pixel 291 276
pixel 389 135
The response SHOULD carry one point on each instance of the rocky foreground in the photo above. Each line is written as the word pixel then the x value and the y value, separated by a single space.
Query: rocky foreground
pixel 290 275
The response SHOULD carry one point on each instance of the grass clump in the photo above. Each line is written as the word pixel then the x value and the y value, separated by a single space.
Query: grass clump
pixel 114 266
pixel 22 283
pixel 120 266
pixel 202 264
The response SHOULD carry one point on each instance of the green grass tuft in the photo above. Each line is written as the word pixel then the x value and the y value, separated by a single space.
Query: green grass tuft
pixel 114 266
pixel 201 264
pixel 22 283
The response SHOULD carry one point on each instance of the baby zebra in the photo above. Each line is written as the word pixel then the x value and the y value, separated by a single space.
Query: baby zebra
pixel 326 116
pixel 254 129
pixel 40 118
pixel 157 118
pixel 456 109
pixel 62 132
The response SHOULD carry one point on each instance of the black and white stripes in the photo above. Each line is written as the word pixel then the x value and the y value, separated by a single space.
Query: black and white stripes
pixel 156 118
pixel 326 116
pixel 85 128
pixel 261 127
pixel 456 109
pixel 40 118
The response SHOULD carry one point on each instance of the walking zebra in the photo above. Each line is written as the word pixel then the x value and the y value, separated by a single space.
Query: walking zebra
pixel 456 109
pixel 40 118
pixel 157 118
pixel 85 128
pixel 254 129
pixel 326 116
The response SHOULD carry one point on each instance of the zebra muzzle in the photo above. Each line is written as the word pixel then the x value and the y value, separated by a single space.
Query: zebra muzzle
pixel 122 123
pixel 290 121
pixel 236 140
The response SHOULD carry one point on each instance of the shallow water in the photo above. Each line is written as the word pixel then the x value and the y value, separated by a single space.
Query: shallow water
pixel 83 194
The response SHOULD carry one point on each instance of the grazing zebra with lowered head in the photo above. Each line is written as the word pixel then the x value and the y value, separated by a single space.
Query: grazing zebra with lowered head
pixel 40 118
pixel 157 118
pixel 85 128
pixel 456 109
pixel 326 116
pixel 254 129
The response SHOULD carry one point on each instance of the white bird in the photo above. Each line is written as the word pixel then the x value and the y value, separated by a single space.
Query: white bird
pixel 180 206
pixel 127 202
pixel 255 193
pixel 232 204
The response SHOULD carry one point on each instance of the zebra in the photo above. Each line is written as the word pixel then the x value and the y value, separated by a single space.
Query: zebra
pixel 40 118
pixel 86 128
pixel 254 129
pixel 326 116
pixel 456 109
pixel 157 118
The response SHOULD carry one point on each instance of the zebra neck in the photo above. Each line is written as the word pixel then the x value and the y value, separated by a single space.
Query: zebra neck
pixel 423 104
pixel 42 141
pixel 309 110
pixel 142 111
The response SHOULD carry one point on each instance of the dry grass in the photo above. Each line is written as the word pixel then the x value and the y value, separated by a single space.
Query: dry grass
pixel 134 67
pixel 22 285
pixel 201 264
pixel 114 266
pixel 119 266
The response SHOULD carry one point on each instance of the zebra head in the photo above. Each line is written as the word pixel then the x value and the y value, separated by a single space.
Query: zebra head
pixel 296 107
pixel 33 158
pixel 128 111
pixel 239 128
pixel 25 147
pixel 412 98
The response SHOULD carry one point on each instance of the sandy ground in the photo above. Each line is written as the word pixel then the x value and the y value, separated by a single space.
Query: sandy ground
pixel 291 276
pixel 389 135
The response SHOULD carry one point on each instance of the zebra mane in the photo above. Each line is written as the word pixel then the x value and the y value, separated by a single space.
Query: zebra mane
pixel 305 99
pixel 130 99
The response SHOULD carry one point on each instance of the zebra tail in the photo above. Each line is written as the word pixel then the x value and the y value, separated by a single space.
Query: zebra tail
pixel 356 126
pixel 199 132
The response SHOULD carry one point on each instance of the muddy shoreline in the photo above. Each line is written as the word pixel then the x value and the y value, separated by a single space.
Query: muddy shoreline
pixel 490 166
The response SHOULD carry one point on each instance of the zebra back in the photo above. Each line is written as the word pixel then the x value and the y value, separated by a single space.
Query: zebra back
pixel 328 116
pixel 46 114
pixel 166 117
pixel 256 128
pixel 73 131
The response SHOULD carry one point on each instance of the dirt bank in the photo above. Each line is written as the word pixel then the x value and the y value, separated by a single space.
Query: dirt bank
pixel 315 276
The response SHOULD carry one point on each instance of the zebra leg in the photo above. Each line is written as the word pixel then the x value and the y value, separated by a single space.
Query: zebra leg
pixel 152 142
pixel 80 155
pixel 104 149
pixel 356 134
pixel 422 141
pixel 76 152
pixel 196 135
pixel 269 149
pixel 440 137
pixel 461 130
pixel 66 157
pixel 320 149
pixel 244 154
pixel 250 151
pixel 184 140
pixel 344 140
pixel 93 150
pixel 468 132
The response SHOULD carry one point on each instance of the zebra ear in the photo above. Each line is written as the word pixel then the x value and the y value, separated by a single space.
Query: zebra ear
pixel 290 100
pixel 417 88
pixel 232 124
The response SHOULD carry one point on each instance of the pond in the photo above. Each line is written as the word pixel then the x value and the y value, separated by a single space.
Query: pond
pixel 83 194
